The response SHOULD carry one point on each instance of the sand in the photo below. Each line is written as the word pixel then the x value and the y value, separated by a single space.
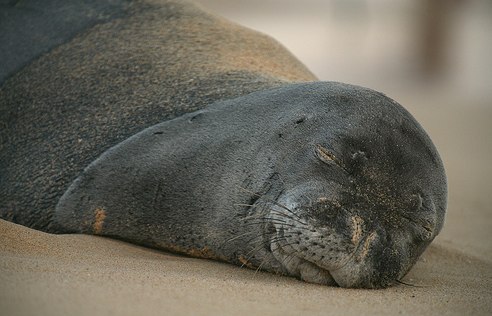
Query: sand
pixel 43 274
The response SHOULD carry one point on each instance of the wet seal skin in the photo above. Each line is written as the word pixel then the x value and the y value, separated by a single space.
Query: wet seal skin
pixel 247 163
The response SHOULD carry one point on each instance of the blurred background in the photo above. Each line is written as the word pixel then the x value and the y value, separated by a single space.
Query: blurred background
pixel 389 44
pixel 432 56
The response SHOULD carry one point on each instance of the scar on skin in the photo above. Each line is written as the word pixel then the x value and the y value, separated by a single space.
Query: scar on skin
pixel 357 229
pixel 99 216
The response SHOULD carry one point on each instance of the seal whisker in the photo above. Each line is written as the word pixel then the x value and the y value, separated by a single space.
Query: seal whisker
pixel 298 220
pixel 259 267
pixel 271 211
pixel 247 233
pixel 264 243
pixel 278 220
pixel 291 256
pixel 258 236
pixel 262 216
pixel 289 244
pixel 285 208
pixel 250 240
pixel 243 204
pixel 234 238
pixel 270 200
pixel 251 253
pixel 273 222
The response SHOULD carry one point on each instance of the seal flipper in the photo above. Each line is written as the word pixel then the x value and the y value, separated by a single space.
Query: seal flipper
pixel 133 185
pixel 119 190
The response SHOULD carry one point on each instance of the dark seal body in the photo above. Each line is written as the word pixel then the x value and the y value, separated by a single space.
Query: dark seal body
pixel 152 61
pixel 168 127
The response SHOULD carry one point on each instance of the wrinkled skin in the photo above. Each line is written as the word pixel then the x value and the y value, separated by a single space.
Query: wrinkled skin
pixel 331 183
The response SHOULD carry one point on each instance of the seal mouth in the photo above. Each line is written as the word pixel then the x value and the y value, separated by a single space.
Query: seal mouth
pixel 302 250
pixel 346 252
pixel 324 256
pixel 312 269
pixel 354 270
pixel 297 265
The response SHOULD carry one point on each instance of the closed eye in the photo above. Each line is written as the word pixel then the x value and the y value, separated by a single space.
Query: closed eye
pixel 327 156
pixel 324 155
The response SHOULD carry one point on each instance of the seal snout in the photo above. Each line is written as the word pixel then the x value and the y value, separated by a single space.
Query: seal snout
pixel 338 244
pixel 320 238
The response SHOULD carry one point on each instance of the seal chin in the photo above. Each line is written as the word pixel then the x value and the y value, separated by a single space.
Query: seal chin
pixel 333 263
pixel 300 267
pixel 304 251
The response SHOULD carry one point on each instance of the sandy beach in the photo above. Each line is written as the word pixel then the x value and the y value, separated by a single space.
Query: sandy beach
pixel 85 275
pixel 44 274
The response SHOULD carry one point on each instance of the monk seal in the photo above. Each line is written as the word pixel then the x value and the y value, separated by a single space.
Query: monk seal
pixel 144 128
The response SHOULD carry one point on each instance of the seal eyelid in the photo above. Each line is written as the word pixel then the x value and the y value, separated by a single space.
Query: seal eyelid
pixel 328 158
pixel 324 154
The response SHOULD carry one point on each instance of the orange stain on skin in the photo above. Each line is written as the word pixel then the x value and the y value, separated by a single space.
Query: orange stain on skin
pixel 99 216
pixel 245 262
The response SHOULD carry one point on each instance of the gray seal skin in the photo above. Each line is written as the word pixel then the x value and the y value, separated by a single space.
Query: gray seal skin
pixel 328 182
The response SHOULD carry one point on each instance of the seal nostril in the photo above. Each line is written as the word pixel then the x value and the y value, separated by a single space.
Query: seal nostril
pixel 360 155
pixel 417 201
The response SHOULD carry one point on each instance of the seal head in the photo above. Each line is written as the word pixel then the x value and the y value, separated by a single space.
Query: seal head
pixel 373 199
pixel 328 182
